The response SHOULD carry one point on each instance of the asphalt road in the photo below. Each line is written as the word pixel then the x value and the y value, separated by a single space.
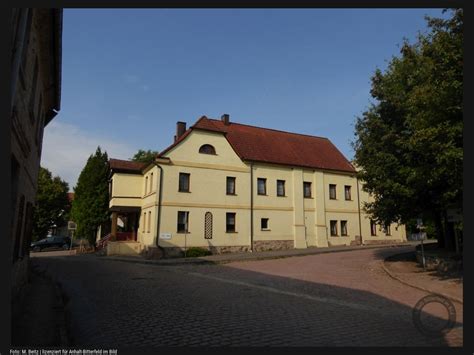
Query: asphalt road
pixel 336 299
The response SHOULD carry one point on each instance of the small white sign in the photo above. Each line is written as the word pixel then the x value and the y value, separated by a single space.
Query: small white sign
pixel 165 235
pixel 71 225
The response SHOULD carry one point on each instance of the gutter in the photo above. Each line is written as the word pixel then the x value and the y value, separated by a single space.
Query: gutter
pixel 358 207
pixel 158 214
pixel 251 207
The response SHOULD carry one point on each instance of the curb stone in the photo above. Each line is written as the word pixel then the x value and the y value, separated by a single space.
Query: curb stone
pixel 455 299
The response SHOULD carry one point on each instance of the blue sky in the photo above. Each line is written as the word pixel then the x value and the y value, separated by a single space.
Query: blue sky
pixel 130 74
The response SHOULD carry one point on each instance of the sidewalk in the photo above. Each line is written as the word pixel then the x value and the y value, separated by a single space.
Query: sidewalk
pixel 275 254
pixel 407 271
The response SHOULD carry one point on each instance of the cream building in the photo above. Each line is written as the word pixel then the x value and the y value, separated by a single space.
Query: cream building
pixel 231 187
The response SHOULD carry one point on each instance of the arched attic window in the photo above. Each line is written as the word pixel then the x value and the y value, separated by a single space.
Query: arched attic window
pixel 207 149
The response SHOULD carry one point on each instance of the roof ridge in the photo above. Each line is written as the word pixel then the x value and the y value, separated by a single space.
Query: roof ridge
pixel 268 129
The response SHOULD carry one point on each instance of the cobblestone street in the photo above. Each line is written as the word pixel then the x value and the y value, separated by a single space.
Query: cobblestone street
pixel 334 299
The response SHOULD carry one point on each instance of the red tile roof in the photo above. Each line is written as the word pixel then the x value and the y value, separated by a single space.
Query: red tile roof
pixel 126 165
pixel 276 147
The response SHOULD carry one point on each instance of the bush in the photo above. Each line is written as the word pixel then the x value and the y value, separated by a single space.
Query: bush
pixel 195 252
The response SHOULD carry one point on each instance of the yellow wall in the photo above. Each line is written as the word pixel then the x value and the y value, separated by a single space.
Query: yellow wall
pixel 303 221
pixel 126 190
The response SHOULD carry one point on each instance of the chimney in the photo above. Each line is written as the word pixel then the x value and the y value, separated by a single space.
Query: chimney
pixel 225 118
pixel 180 129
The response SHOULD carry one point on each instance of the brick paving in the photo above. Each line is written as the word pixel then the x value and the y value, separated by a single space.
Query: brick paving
pixel 337 299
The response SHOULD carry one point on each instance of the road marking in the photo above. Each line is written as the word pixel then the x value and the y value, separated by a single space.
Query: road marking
pixel 288 293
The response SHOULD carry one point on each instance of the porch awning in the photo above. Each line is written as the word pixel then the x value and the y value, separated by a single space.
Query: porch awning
pixel 124 209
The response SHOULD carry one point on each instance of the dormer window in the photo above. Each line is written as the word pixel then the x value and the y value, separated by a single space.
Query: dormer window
pixel 207 149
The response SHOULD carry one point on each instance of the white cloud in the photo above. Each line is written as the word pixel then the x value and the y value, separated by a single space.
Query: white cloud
pixel 66 149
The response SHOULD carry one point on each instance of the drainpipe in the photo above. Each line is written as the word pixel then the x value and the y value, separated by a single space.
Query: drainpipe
pixel 251 207
pixel 158 215
pixel 358 207
pixel 18 48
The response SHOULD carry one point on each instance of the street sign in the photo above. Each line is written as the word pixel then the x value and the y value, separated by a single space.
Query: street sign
pixel 419 223
pixel 71 225
pixel 166 236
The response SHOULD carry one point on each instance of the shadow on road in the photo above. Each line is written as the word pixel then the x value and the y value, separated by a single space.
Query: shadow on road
pixel 117 304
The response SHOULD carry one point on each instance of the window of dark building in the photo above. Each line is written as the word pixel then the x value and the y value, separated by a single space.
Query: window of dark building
pixel 373 228
pixel 262 186
pixel 34 90
pixel 332 191
pixel 230 222
pixel 26 42
pixel 183 220
pixel 344 228
pixel 280 187
pixel 347 192
pixel 307 189
pixel 264 224
pixel 183 182
pixel 39 130
pixel 27 230
pixel 230 185
pixel 14 178
pixel 19 225
pixel 333 225
pixel 386 229
pixel 207 149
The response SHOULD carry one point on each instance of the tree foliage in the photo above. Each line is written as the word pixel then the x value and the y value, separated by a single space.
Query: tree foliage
pixel 91 196
pixel 409 143
pixel 52 204
pixel 145 156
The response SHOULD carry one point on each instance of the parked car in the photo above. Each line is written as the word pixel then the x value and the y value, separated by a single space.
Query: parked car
pixel 51 242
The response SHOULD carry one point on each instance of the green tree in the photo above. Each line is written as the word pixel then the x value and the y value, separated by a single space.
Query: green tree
pixel 90 208
pixel 145 156
pixel 409 143
pixel 52 204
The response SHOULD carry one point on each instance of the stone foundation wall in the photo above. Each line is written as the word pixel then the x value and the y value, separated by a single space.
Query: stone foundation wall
pixel 123 248
pixel 383 241
pixel 230 249
pixel 262 245
pixel 152 253
pixel 357 241
pixel 176 252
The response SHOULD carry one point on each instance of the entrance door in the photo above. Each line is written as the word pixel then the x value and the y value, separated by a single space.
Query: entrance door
pixel 208 225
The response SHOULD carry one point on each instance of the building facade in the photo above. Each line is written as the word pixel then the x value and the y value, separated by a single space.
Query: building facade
pixel 35 88
pixel 231 187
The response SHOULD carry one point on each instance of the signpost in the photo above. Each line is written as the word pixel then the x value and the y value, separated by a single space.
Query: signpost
pixel 419 225
pixel 72 227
